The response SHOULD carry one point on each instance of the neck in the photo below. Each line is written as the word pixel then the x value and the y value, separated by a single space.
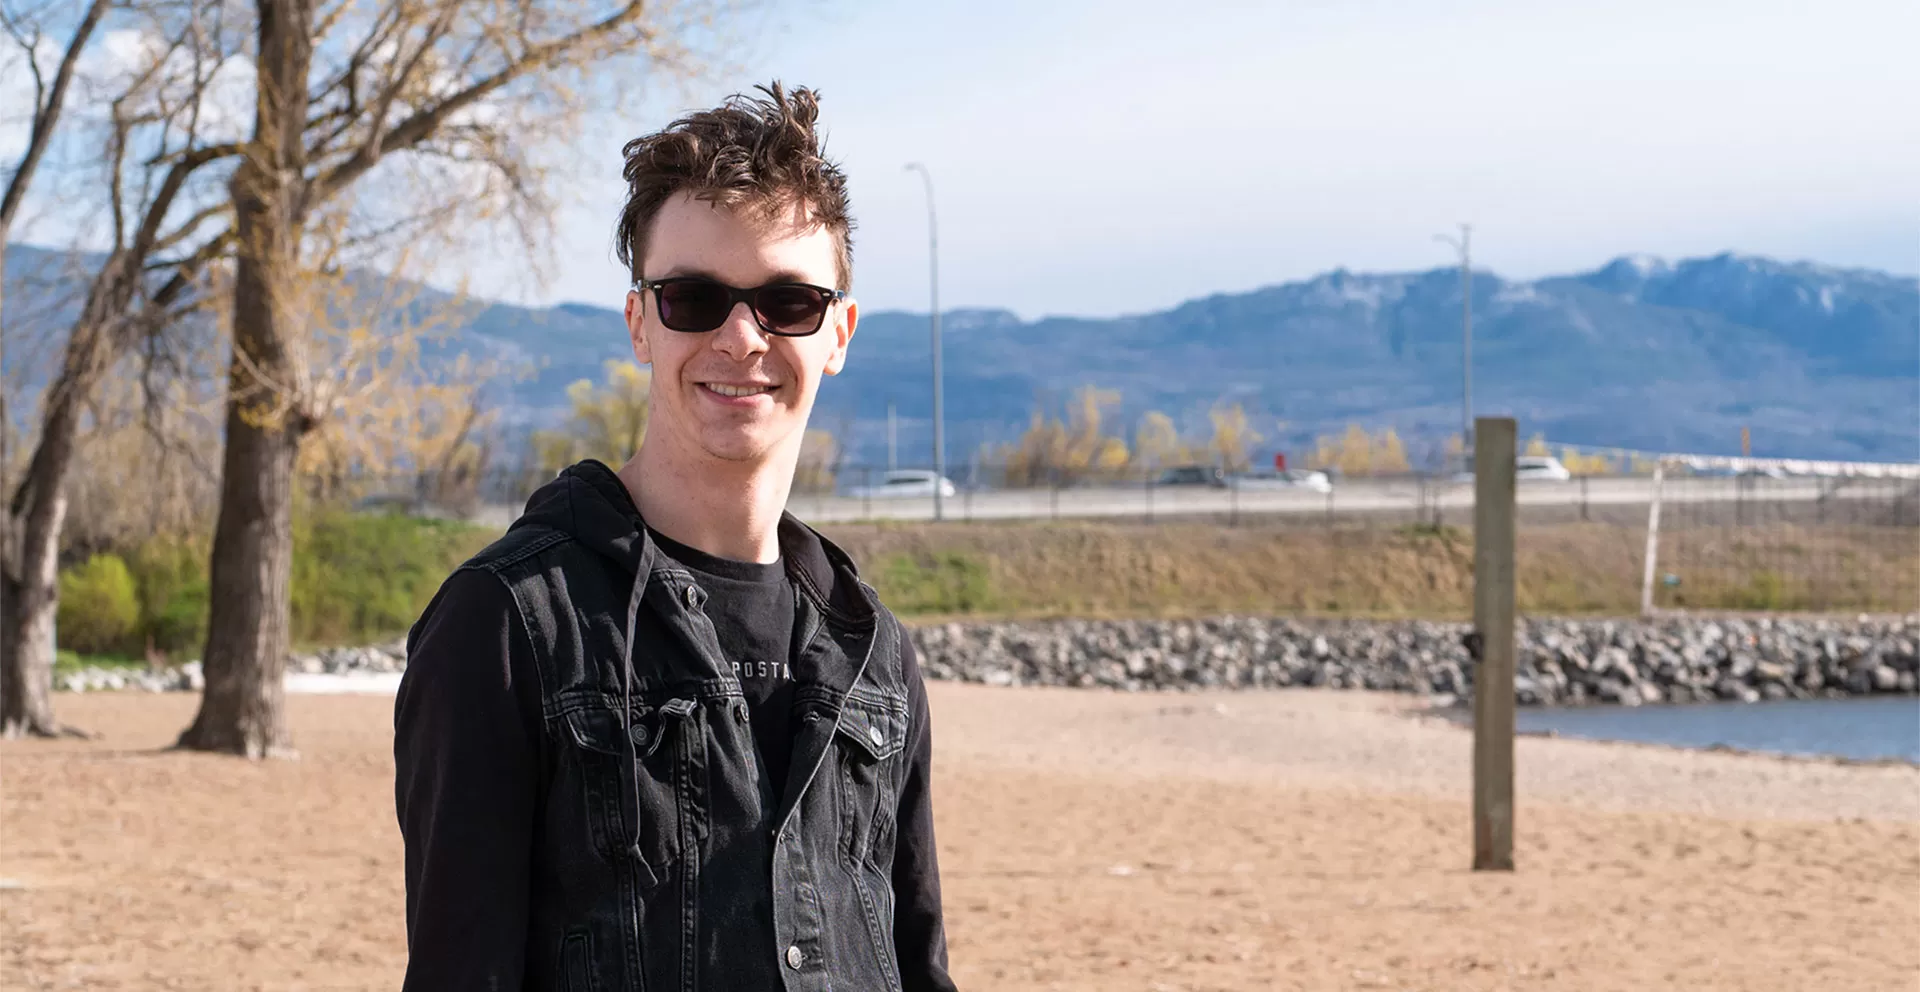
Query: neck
pixel 728 509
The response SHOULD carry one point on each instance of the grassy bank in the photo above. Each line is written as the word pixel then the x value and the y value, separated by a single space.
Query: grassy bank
pixel 1098 569
pixel 359 579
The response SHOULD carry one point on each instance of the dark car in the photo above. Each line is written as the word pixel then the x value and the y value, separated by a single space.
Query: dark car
pixel 1194 475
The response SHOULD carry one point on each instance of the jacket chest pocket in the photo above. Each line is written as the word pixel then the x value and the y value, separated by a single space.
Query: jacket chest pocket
pixel 869 739
pixel 638 780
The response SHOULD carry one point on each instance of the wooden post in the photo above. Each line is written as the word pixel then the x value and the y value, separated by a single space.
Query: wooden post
pixel 1653 541
pixel 1493 621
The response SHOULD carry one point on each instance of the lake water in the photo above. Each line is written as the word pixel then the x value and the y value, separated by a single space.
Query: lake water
pixel 1864 729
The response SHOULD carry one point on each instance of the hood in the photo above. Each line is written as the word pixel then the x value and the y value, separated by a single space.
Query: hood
pixel 589 502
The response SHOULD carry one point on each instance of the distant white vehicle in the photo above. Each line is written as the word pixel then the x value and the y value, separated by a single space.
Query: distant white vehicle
pixel 1540 468
pixel 1293 478
pixel 1531 468
pixel 906 483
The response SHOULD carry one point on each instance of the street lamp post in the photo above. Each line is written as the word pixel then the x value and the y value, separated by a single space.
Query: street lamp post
pixel 1463 244
pixel 933 283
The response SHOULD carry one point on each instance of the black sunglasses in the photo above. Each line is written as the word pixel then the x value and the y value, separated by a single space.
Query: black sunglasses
pixel 696 305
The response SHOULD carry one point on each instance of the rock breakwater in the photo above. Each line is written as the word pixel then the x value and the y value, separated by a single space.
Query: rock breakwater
pixel 1627 662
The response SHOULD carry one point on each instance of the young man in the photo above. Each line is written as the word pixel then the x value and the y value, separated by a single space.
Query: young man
pixel 660 735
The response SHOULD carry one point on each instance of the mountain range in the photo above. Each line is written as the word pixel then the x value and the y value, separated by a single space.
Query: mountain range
pixel 1816 361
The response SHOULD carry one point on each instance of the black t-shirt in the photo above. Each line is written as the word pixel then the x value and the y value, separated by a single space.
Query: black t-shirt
pixel 752 607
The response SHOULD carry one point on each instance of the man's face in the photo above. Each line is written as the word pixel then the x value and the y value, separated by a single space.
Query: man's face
pixel 693 374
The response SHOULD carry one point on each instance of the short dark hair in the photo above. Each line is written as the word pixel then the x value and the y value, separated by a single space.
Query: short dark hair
pixel 763 152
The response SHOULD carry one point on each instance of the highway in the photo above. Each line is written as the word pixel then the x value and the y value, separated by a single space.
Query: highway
pixel 1352 496
pixel 1348 497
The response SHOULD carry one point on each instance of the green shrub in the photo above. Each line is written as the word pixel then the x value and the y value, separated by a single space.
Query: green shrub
pixel 357 578
pixel 943 583
pixel 171 574
pixel 99 607
pixel 66 661
pixel 364 577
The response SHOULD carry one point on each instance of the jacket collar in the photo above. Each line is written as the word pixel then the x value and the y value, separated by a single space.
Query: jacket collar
pixel 589 501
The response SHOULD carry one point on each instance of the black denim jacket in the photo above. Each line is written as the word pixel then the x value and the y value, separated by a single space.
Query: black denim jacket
pixel 578 788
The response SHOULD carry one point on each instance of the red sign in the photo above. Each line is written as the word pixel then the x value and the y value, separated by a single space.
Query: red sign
pixel 1280 461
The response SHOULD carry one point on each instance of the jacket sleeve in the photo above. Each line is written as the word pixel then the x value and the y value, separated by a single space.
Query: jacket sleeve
pixel 919 930
pixel 466 753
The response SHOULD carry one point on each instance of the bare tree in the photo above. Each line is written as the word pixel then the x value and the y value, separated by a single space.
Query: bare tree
pixel 49 100
pixel 347 90
pixel 164 235
pixel 24 705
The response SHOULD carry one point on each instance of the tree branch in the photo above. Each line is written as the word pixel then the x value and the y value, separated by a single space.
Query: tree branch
pixel 396 83
pixel 146 240
pixel 423 122
pixel 46 114
pixel 186 230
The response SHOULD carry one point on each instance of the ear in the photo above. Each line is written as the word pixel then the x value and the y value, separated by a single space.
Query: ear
pixel 636 312
pixel 847 317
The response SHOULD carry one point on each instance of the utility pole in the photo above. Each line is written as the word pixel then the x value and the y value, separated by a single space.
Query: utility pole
pixel 893 437
pixel 1464 245
pixel 933 284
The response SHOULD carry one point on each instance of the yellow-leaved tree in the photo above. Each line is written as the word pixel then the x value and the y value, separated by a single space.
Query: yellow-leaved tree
pixel 606 422
pixel 1067 451
pixel 1157 443
pixel 1580 463
pixel 1357 452
pixel 1232 437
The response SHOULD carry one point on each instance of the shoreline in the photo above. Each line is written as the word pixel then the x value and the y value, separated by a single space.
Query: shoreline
pixel 1460 713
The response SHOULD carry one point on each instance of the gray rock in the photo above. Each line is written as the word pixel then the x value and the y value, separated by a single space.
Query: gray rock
pixel 1559 661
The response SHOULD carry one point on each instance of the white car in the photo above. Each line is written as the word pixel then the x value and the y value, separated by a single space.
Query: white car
pixel 905 484
pixel 1531 468
pixel 1292 478
pixel 1540 468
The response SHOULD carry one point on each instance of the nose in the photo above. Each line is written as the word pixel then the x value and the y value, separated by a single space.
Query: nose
pixel 739 337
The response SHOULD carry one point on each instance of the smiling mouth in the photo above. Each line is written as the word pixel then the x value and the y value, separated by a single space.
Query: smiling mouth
pixel 736 392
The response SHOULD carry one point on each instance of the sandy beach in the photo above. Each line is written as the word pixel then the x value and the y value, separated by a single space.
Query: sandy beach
pixel 1090 841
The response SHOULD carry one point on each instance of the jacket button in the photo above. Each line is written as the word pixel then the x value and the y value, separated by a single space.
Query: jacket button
pixel 794 957
pixel 639 734
pixel 693 597
pixel 740 714
pixel 874 735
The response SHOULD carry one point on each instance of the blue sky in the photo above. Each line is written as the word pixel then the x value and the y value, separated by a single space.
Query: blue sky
pixel 1108 157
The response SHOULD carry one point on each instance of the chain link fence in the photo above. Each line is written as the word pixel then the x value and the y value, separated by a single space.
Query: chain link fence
pixel 1726 541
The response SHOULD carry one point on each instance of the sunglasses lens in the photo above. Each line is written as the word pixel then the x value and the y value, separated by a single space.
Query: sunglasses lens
pixel 790 309
pixel 693 305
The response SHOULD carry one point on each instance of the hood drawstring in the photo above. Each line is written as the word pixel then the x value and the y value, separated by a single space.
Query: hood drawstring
pixel 641 575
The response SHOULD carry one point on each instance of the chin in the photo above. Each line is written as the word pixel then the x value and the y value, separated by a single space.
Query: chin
pixel 735 446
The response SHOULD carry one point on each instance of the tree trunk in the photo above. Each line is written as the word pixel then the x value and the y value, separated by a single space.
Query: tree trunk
pixel 38 510
pixel 26 630
pixel 25 706
pixel 243 708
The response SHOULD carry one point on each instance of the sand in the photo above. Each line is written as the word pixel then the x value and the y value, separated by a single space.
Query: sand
pixel 1090 841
